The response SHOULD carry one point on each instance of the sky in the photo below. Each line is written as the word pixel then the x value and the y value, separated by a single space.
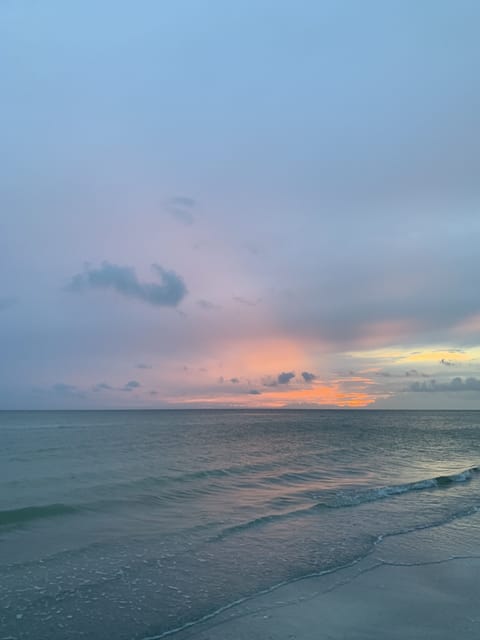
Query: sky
pixel 214 203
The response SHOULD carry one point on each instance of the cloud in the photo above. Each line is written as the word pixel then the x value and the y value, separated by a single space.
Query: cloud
pixel 252 249
pixel 102 386
pixel 124 280
pixel 285 377
pixel 451 350
pixel 234 380
pixel 255 392
pixel 142 365
pixel 246 301
pixel 415 373
pixel 308 377
pixel 269 381
pixel 456 384
pixel 67 390
pixel 6 303
pixel 404 304
pixel 447 363
pixel 181 208
pixel 131 385
pixel 207 305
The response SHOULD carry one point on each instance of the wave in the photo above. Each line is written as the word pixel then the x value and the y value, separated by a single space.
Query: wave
pixel 12 517
pixel 328 500
pixel 354 497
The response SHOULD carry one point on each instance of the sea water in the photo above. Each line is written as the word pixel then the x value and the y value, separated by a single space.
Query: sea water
pixel 134 524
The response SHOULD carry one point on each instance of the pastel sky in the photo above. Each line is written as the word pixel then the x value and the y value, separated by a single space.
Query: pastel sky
pixel 215 203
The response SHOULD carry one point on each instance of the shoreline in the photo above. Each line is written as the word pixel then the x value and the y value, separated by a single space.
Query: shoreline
pixel 422 584
pixel 374 600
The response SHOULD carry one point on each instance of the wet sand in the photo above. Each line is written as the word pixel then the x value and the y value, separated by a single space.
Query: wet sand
pixel 371 600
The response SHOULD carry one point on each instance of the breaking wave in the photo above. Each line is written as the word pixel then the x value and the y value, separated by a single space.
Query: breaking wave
pixel 12 517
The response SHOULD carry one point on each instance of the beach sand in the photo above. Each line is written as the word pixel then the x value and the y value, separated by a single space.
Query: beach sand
pixel 437 599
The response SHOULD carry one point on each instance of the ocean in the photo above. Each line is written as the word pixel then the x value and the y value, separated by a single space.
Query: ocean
pixel 136 524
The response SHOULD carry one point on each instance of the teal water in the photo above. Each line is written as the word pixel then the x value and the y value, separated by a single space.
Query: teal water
pixel 140 522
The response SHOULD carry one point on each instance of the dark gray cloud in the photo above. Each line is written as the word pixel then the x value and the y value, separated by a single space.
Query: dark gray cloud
pixel 255 392
pixel 456 384
pixel 307 376
pixel 124 280
pixel 142 365
pixel 282 378
pixel 415 373
pixel 411 373
pixel 131 385
pixel 285 377
pixel 234 380
pixel 447 363
pixel 182 208
pixel 269 381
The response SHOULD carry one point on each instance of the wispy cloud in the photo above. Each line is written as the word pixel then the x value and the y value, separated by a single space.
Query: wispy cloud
pixel 247 301
pixel 131 385
pixel 269 381
pixel 124 280
pixel 415 373
pixel 206 305
pixel 456 384
pixel 101 386
pixel 67 390
pixel 181 208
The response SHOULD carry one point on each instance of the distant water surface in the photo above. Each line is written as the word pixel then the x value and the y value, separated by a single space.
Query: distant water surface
pixel 141 522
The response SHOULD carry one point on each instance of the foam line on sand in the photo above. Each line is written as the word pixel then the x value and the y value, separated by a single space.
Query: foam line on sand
pixel 373 600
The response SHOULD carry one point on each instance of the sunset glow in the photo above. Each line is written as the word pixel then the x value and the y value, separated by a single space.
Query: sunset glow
pixel 289 223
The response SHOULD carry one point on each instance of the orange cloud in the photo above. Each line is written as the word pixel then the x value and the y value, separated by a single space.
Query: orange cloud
pixel 321 395
pixel 403 356
pixel 255 365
